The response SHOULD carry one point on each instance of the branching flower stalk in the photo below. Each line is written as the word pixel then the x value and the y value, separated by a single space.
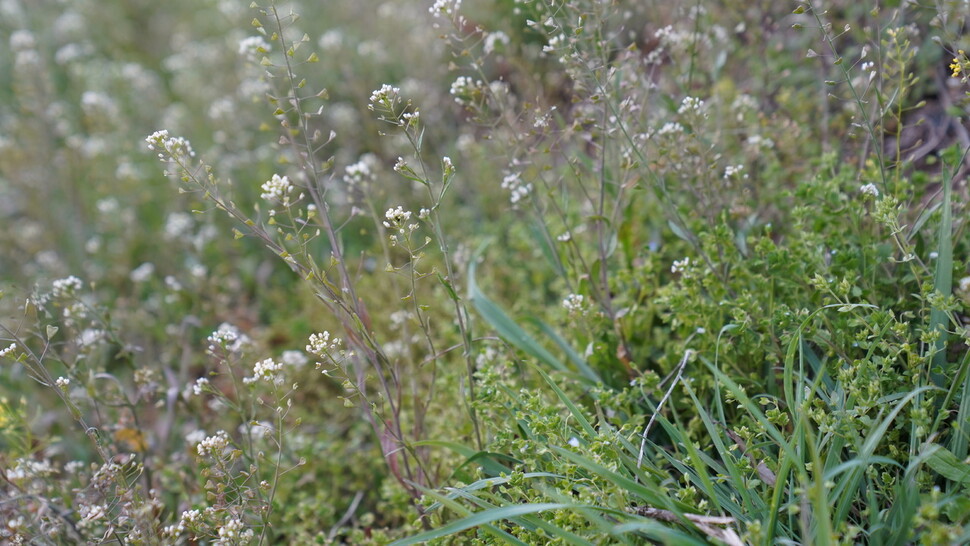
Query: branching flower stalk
pixel 409 123
pixel 867 123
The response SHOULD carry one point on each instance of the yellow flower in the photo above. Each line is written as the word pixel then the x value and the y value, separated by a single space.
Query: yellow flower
pixel 956 66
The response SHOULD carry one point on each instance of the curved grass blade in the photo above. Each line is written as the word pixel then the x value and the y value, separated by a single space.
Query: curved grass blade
pixel 481 518
pixel 506 326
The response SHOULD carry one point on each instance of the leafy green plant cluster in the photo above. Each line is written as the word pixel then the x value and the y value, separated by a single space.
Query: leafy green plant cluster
pixel 532 272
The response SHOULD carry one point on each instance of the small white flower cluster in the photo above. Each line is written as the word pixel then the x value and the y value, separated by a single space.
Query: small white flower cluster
pixel 554 43
pixel 266 370
pixel 464 89
pixel 213 445
pixel 253 46
pixel 176 148
pixel 396 218
pixel 869 189
pixel 492 39
pixel 411 118
pixel 189 518
pixel 231 532
pixel 963 289
pixel 575 304
pixel 321 344
pixel 732 171
pixel 675 38
pixel 91 512
pixel 386 96
pixel 444 8
pixel 671 128
pixel 758 143
pixel 680 266
pixel 295 359
pixel 542 118
pixel 95 104
pixel 178 225
pixel 200 386
pixel 65 287
pixel 229 337
pixel 518 189
pixel 62 383
pixel 29 468
pixel 90 336
pixel 360 174
pixel 142 273
pixel 75 310
pixel 10 348
pixel 277 189
pixel 21 40
pixel 690 105
pixel 447 166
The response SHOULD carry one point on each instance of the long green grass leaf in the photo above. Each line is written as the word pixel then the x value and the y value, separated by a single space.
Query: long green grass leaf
pixel 942 282
pixel 506 327
pixel 481 518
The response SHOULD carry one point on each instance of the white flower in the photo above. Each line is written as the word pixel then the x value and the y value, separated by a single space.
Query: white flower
pixel 10 348
pixel 90 336
pixel 464 89
pixel 213 445
pixel 277 189
pixel 575 304
pixel 518 189
pixel 176 148
pixel 201 384
pixel 229 337
pixel 321 344
pixel 386 95
pixel 396 217
pixel 65 287
pixel 296 359
pixel 411 118
pixel 869 189
pixel 733 170
pixel 689 105
pixel 266 370
pixel 444 8
pixel 231 529
pixel 91 513
pixel 494 38
pixel 360 173
pixel 178 224
pixel 21 40
pixel 62 382
pixel 680 266
pixel 671 128
pixel 330 40
pixel 964 286
pixel 756 143
pixel 142 273
pixel 253 46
